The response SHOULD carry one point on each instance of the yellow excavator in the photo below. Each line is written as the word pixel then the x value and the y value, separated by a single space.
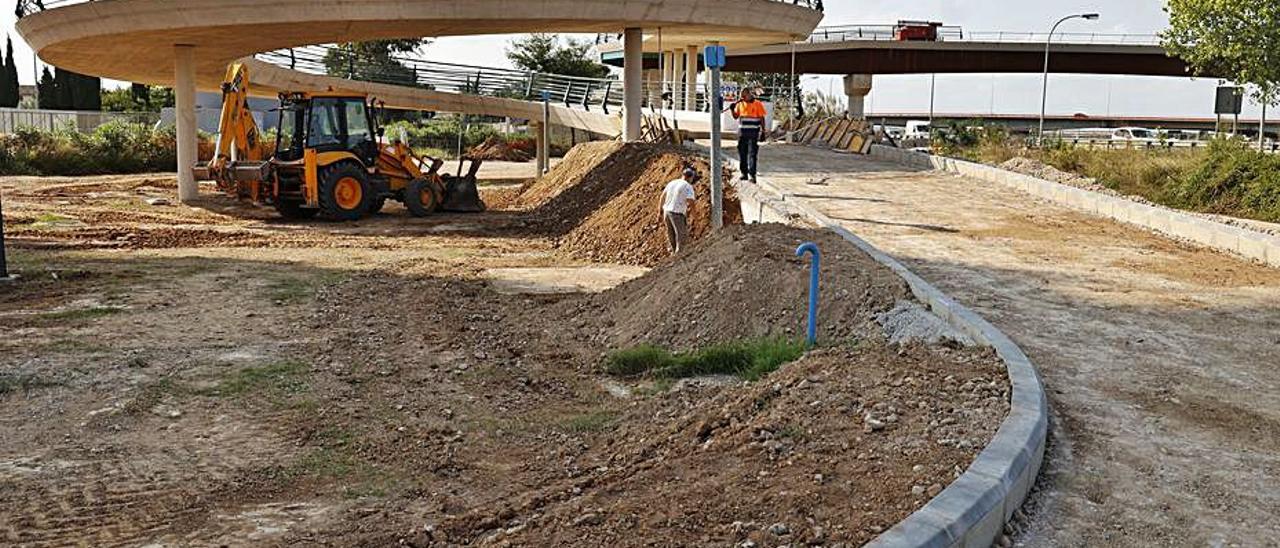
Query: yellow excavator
pixel 329 159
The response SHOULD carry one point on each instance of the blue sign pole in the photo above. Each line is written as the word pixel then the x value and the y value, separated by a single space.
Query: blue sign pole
pixel 714 57
pixel 814 269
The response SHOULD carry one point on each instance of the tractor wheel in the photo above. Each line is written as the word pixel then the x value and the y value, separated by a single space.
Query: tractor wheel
pixel 421 198
pixel 344 193
pixel 294 210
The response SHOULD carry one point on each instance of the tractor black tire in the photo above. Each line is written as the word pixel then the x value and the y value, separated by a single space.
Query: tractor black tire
pixel 294 210
pixel 421 198
pixel 345 193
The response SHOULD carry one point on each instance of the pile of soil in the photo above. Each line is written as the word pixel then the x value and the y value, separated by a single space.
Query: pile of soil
pixel 604 201
pixel 500 150
pixel 1041 170
pixel 746 281
pixel 832 449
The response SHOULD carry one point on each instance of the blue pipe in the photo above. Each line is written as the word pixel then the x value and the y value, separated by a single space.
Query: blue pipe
pixel 815 268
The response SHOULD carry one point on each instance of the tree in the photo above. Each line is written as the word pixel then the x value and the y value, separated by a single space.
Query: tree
pixel 48 88
pixel 9 93
pixel 374 61
pixel 137 98
pixel 1236 39
pixel 545 53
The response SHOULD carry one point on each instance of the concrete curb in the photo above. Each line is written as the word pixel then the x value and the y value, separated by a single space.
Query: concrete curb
pixel 972 511
pixel 1250 244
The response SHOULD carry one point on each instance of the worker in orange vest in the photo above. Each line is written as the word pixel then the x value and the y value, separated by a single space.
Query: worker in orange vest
pixel 750 115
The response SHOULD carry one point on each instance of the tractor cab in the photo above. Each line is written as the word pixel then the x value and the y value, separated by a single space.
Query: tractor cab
pixel 326 123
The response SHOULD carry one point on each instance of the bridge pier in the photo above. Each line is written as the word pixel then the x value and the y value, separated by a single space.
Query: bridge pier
pixel 691 77
pixel 856 89
pixel 633 68
pixel 542 147
pixel 184 109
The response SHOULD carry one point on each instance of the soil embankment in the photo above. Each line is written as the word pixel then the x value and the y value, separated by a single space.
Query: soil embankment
pixel 365 384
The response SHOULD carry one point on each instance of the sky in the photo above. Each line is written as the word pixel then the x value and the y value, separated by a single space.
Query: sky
pixel 967 93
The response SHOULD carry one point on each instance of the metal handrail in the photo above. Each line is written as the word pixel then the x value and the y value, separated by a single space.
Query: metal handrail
pixel 886 33
pixel 27 7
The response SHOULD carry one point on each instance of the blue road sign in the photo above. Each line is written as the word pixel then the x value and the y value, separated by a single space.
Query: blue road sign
pixel 714 56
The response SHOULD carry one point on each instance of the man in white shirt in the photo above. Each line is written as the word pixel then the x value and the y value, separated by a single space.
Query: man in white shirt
pixel 675 209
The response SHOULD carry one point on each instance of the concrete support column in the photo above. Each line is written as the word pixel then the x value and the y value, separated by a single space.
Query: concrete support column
pixel 539 131
pixel 691 78
pixel 856 88
pixel 633 67
pixel 184 108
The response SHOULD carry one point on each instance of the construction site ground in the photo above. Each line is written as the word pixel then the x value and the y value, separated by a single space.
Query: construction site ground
pixel 1160 359
pixel 214 375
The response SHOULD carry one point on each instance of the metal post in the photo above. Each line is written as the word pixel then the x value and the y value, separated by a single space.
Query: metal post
pixel 717 173
pixel 1044 92
pixel 1262 124
pixel 933 85
pixel 4 265
pixel 544 151
pixel 462 129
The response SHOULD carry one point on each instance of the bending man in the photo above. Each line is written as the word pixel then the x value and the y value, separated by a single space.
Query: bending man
pixel 675 209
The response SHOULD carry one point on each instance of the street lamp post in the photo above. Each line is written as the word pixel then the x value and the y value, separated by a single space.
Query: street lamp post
pixel 1044 93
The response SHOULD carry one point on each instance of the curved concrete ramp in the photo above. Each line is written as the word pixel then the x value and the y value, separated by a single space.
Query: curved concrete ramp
pixel 134 40
pixel 267 80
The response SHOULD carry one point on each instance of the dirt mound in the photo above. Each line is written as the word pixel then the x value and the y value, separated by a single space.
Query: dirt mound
pixel 498 149
pixel 1041 170
pixel 583 162
pixel 603 201
pixel 772 462
pixel 746 281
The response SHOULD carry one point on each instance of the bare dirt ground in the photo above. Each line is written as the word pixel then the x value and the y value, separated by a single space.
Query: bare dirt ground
pixel 212 375
pixel 1160 358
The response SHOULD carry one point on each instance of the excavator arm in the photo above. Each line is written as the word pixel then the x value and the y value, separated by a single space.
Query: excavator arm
pixel 239 154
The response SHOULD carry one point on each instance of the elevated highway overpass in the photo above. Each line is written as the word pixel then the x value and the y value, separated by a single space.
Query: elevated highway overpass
pixel 188 43
pixel 861 51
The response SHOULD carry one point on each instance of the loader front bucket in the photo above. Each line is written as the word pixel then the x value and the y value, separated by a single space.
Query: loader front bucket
pixel 461 195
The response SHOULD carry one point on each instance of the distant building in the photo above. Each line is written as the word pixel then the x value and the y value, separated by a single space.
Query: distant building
pixel 209 112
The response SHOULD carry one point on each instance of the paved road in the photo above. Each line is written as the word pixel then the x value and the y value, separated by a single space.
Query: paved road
pixel 1162 361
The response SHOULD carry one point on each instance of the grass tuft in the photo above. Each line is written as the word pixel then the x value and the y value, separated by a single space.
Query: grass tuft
pixel 590 422
pixel 14 382
pixel 276 379
pixel 749 359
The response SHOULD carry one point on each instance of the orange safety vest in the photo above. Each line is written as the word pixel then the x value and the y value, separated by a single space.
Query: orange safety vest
pixel 750 115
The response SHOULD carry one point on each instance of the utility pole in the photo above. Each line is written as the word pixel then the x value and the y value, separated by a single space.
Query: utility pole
pixel 715 57
pixel 1044 92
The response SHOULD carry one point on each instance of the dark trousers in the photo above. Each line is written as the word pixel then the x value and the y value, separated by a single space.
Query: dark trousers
pixel 748 152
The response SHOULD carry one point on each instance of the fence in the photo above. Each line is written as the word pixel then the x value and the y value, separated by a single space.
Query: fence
pixel 85 121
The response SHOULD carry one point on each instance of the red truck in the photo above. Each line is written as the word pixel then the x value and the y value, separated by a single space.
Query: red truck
pixel 916 31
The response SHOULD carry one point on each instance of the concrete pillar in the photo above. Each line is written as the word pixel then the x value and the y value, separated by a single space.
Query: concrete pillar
pixel 184 108
pixel 856 88
pixel 633 67
pixel 539 131
pixel 691 78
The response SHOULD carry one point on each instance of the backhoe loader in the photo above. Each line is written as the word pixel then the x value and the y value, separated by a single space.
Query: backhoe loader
pixel 329 159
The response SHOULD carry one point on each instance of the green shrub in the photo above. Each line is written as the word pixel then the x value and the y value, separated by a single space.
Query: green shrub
pixel 750 359
pixel 113 148
pixel 1232 179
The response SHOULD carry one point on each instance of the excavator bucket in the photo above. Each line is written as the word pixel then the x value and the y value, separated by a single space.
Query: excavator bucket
pixel 461 195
